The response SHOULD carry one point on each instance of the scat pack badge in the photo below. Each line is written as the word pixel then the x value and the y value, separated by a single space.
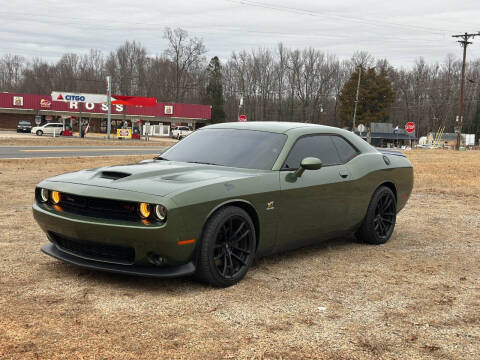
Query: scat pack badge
pixel 271 205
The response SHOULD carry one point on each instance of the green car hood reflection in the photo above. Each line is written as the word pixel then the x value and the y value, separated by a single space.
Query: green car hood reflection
pixel 161 178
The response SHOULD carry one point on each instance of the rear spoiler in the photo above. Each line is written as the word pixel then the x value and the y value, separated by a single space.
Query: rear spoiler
pixel 390 152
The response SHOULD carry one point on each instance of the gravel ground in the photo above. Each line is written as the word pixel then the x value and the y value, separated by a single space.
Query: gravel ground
pixel 416 297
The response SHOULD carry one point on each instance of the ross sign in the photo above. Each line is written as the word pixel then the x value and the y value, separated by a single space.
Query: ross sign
pixel 168 109
pixel 45 104
pixel 410 127
pixel 242 118
pixel 18 101
pixel 74 105
pixel 79 97
pixel 124 133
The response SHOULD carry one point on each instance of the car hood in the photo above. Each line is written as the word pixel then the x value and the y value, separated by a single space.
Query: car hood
pixel 155 177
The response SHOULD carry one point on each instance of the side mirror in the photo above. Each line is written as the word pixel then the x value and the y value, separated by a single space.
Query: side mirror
pixel 309 163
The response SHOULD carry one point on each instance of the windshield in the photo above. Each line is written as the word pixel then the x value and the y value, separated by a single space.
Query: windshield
pixel 24 122
pixel 229 147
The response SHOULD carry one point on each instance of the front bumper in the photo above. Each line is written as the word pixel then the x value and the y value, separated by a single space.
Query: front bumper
pixel 117 246
pixel 146 271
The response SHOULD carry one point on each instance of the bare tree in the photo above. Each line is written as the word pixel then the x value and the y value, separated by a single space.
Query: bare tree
pixel 187 55
pixel 11 68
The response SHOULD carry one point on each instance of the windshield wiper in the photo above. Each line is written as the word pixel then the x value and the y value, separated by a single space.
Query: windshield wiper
pixel 160 158
pixel 204 163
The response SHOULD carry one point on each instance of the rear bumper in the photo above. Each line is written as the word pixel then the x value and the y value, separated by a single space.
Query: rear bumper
pixel 145 271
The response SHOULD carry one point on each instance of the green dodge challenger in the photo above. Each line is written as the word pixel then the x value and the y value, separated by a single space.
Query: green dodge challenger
pixel 221 197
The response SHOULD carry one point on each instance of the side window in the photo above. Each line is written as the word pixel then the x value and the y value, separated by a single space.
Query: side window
pixel 345 150
pixel 319 146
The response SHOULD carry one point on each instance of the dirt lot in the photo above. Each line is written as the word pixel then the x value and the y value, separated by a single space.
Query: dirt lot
pixel 417 297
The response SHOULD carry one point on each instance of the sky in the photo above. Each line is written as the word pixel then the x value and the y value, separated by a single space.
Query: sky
pixel 400 31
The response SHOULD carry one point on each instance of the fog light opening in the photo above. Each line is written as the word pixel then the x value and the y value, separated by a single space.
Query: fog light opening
pixel 156 259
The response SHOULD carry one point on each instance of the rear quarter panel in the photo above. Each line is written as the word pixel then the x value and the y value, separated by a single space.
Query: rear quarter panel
pixel 369 171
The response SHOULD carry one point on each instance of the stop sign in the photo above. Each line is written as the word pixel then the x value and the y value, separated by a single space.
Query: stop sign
pixel 410 127
pixel 242 118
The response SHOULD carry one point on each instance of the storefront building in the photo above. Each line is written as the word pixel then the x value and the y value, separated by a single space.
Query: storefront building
pixel 40 108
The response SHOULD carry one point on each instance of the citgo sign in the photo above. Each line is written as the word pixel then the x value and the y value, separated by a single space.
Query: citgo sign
pixel 79 97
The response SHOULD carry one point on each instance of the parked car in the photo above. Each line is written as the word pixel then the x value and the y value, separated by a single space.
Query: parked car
pixel 24 126
pixel 48 129
pixel 224 195
pixel 180 132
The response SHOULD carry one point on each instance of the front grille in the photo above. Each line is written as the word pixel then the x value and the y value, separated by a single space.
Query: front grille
pixel 102 208
pixel 96 251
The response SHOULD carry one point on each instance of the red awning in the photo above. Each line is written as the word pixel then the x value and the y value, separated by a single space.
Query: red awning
pixel 134 100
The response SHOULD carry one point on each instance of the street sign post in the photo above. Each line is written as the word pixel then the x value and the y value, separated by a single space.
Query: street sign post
pixel 410 127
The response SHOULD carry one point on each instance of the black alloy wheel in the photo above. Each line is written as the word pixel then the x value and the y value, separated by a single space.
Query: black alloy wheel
pixel 384 218
pixel 379 222
pixel 227 248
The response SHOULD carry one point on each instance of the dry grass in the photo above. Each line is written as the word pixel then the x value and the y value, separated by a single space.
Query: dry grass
pixel 417 297
pixel 13 139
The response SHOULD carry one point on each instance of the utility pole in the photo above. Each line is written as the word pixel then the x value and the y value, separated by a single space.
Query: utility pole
pixel 464 42
pixel 356 97
pixel 109 105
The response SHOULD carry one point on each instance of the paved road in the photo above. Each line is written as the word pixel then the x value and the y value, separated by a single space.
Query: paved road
pixel 24 152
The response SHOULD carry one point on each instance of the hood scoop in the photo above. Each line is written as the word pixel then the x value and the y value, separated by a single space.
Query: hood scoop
pixel 113 175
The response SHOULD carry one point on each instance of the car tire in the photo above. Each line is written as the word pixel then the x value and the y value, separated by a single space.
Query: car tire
pixel 39 133
pixel 227 247
pixel 61 133
pixel 379 222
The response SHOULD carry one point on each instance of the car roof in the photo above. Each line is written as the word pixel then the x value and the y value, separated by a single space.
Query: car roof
pixel 280 127
pixel 296 130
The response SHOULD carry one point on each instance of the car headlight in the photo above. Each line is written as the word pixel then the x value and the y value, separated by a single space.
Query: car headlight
pixel 43 195
pixel 161 212
pixel 144 210
pixel 55 196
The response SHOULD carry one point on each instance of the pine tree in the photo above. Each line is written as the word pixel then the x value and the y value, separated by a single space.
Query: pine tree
pixel 375 96
pixel 214 93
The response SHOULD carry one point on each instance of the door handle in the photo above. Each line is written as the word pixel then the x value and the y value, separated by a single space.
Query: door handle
pixel 343 173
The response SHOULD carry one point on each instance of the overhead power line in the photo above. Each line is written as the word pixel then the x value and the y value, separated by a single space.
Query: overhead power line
pixel 372 22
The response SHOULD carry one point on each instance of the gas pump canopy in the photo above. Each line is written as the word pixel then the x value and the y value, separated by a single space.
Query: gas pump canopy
pixel 133 100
